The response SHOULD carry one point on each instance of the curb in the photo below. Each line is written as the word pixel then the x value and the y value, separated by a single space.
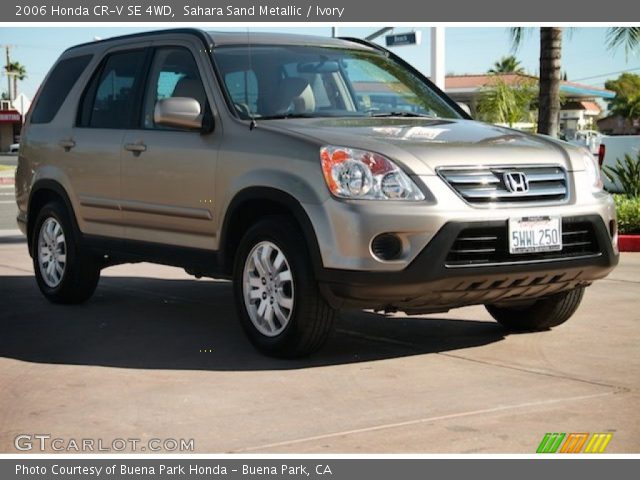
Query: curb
pixel 7 181
pixel 629 243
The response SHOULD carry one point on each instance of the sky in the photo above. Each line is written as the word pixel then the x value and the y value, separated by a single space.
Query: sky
pixel 586 58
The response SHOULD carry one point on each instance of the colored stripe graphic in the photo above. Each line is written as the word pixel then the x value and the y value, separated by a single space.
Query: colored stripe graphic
pixel 574 442
pixel 598 442
pixel 550 443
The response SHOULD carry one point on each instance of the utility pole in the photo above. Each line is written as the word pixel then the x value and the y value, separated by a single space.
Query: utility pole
pixel 437 57
pixel 7 51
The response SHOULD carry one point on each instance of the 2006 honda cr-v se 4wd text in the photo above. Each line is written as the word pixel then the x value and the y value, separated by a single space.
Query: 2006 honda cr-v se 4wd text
pixel 317 173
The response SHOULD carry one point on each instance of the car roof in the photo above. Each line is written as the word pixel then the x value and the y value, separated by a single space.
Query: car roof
pixel 269 38
pixel 216 38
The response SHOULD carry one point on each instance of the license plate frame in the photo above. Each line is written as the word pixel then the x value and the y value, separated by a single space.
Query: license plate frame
pixel 535 234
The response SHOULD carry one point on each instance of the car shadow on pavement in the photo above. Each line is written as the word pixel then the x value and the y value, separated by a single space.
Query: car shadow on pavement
pixel 150 323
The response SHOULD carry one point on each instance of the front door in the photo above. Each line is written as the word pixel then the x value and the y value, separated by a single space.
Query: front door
pixel 168 173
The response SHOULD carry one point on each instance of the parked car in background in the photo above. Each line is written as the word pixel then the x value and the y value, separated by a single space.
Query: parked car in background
pixel 14 147
pixel 613 148
pixel 590 139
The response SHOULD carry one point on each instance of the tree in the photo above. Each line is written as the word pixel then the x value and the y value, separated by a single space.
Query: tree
pixel 627 100
pixel 627 37
pixel 550 63
pixel 508 64
pixel 18 73
pixel 507 104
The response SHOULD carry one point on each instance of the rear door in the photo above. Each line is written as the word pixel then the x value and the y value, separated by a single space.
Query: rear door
pixel 93 147
pixel 168 173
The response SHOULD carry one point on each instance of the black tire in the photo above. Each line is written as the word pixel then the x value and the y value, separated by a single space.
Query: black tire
pixel 311 318
pixel 81 270
pixel 540 315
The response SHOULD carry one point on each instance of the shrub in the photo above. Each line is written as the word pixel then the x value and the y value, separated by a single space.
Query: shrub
pixel 628 209
pixel 626 174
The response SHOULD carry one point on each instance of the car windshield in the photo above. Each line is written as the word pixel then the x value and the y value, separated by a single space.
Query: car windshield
pixel 281 81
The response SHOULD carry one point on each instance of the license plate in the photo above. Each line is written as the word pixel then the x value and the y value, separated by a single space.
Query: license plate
pixel 535 234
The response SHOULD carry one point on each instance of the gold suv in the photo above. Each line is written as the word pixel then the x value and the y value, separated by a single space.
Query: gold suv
pixel 317 173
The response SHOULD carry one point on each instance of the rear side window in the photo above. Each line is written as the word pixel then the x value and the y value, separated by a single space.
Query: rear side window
pixel 60 82
pixel 111 96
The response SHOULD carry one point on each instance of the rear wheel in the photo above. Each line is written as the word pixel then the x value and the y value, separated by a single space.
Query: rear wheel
pixel 276 293
pixel 64 273
pixel 541 314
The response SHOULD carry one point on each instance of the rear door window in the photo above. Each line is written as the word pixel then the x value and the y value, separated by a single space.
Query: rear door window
pixel 111 99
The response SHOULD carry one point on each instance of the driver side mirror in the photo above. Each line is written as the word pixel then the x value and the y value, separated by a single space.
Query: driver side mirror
pixel 178 112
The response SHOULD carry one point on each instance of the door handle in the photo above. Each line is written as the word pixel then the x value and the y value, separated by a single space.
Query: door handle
pixel 67 144
pixel 137 148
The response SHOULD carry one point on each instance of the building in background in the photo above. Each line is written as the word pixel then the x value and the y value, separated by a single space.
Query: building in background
pixel 10 125
pixel 580 109
pixel 619 125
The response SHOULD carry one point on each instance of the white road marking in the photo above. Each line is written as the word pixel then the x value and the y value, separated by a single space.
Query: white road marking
pixel 7 202
pixel 418 421
pixel 11 232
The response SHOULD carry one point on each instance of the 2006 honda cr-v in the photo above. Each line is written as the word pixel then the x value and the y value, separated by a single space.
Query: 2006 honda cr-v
pixel 317 173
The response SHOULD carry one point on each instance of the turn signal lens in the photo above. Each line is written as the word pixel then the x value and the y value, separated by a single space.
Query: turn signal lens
pixel 359 174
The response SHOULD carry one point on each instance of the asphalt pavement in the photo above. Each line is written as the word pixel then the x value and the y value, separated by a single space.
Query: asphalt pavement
pixel 158 354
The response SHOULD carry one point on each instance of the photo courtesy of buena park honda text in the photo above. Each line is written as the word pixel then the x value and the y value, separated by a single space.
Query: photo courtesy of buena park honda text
pixel 324 239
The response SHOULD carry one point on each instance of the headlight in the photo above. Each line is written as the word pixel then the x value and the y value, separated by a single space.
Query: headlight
pixel 358 174
pixel 592 168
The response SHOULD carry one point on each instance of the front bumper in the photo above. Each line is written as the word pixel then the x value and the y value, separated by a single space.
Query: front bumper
pixel 430 284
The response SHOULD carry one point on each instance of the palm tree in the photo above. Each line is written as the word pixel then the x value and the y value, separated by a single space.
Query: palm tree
pixel 627 37
pixel 550 62
pixel 504 103
pixel 508 64
pixel 19 73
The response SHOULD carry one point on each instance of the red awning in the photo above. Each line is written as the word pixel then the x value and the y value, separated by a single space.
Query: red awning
pixel 10 116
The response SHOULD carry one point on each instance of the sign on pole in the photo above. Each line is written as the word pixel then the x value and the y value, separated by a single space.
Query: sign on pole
pixel 401 39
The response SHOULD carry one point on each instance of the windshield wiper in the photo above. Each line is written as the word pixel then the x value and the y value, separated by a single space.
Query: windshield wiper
pixel 288 115
pixel 401 114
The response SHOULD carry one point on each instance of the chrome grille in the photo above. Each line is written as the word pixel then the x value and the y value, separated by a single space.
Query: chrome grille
pixel 487 185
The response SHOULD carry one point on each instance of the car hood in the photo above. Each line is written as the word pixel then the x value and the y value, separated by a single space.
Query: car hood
pixel 424 144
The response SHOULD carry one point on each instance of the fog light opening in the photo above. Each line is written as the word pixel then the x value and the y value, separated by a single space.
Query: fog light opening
pixel 387 247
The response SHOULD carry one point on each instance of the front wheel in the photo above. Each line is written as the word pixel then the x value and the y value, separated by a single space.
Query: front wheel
pixel 539 315
pixel 276 293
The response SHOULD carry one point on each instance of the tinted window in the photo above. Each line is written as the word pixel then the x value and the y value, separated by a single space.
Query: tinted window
pixel 110 99
pixel 173 73
pixel 62 79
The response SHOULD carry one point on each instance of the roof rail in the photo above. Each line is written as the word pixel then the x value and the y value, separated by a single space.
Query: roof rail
pixel 206 39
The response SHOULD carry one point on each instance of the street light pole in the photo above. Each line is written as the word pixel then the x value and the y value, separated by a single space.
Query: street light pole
pixel 437 57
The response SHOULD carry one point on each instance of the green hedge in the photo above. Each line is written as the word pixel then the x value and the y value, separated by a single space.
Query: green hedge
pixel 628 209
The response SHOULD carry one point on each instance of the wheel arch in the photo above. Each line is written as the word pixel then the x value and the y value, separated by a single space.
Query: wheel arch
pixel 251 204
pixel 42 192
